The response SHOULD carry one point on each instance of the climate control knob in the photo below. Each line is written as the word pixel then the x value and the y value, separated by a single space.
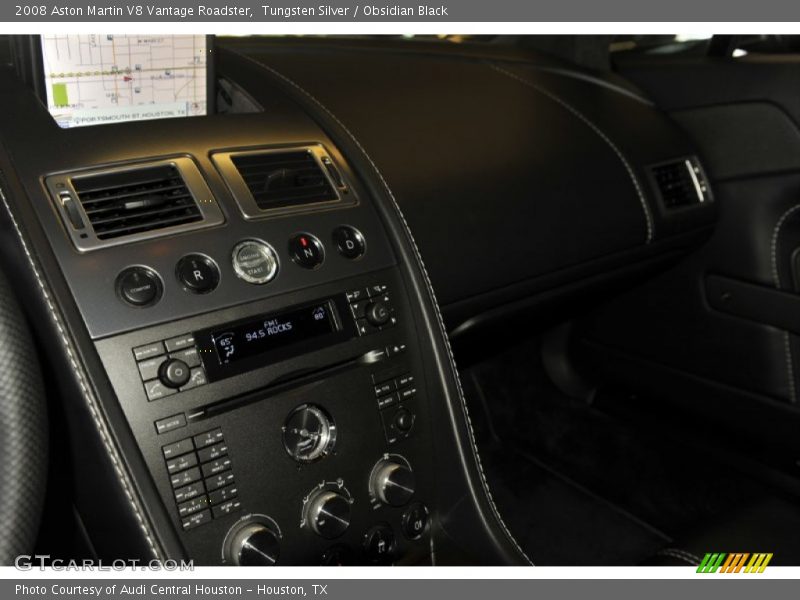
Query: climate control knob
pixel 254 545
pixel 327 513
pixel 392 483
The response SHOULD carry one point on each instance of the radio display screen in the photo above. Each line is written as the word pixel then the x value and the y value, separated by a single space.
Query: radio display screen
pixel 273 332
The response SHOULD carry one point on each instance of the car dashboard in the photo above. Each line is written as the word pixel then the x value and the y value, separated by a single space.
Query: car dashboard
pixel 248 314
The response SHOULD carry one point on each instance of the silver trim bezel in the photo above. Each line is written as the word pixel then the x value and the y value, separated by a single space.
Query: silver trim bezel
pixel 223 160
pixel 59 185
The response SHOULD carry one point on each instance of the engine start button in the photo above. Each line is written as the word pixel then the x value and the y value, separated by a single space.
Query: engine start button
pixel 254 261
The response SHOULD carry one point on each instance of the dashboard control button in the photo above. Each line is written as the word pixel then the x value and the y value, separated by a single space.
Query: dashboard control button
pixel 192 506
pixel 185 477
pixel 386 401
pixel 328 514
pixel 171 423
pixel 139 286
pixel 359 308
pixel 215 467
pixel 212 452
pixel 392 483
pixel 148 369
pixel 254 262
pixel 338 556
pixel 384 388
pixel 208 438
pixel 415 521
pixel 198 273
pixel 180 342
pixel 356 295
pixel 178 448
pixel 156 390
pixel 190 356
pixel 309 433
pixel 377 313
pixel 196 520
pixel 181 463
pixel 197 377
pixel 377 290
pixel 226 508
pixel 395 349
pixel 253 545
pixel 174 373
pixel 306 251
pixel 190 491
pixel 223 494
pixel 148 351
pixel 408 394
pixel 404 420
pixel 349 242
pixel 218 481
pixel 405 380
pixel 380 543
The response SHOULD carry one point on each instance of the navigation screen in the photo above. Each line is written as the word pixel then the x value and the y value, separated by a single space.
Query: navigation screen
pixel 94 79
pixel 272 332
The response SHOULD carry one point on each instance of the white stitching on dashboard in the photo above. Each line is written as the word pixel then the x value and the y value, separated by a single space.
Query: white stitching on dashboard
pixel 637 186
pixel 87 395
pixel 428 284
pixel 787 341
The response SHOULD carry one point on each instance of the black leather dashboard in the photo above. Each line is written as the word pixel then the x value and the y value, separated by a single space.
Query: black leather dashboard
pixel 514 176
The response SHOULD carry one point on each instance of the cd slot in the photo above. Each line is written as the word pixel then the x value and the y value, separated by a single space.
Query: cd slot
pixel 289 381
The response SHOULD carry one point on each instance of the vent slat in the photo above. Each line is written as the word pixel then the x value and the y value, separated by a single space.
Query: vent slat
pixel 132 194
pixel 278 179
pixel 185 198
pixel 129 230
pixel 99 223
pixel 131 201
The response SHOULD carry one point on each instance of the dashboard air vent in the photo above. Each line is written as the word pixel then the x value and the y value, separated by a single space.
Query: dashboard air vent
pixel 680 183
pixel 123 203
pixel 277 179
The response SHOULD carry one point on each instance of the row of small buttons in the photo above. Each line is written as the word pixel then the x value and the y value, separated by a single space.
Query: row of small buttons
pixel 201 477
pixel 253 261
pixel 170 366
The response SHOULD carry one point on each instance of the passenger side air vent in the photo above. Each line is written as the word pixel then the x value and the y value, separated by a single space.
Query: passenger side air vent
pixel 120 204
pixel 278 179
pixel 680 183
pixel 281 180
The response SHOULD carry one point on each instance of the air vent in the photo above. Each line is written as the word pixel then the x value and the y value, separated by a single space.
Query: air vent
pixel 116 205
pixel 680 183
pixel 279 179
pixel 129 202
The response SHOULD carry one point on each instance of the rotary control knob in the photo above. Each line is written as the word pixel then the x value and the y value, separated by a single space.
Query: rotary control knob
pixel 392 483
pixel 254 545
pixel 328 514
pixel 377 313
pixel 174 373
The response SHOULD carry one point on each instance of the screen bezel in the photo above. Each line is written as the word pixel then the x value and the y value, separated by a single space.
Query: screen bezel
pixel 29 61
pixel 344 329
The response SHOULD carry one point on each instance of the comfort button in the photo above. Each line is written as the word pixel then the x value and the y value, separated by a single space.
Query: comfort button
pixel 139 286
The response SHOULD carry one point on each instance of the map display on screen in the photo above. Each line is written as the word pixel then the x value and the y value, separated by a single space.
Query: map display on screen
pixel 94 79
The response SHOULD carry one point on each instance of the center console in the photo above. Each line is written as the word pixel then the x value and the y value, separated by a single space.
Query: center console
pixel 252 332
